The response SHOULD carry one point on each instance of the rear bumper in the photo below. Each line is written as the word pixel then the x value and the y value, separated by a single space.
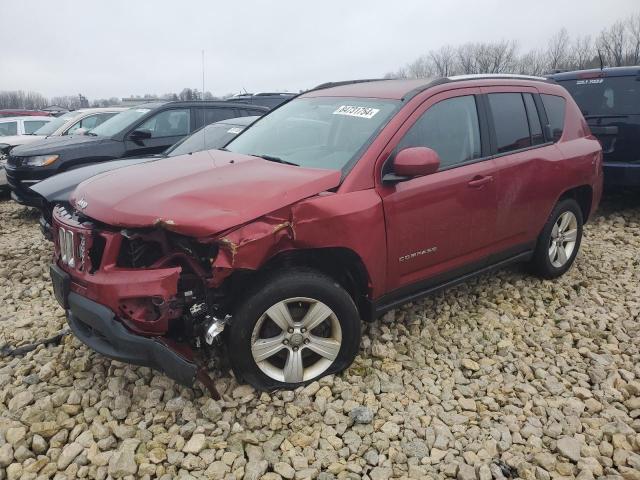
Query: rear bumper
pixel 621 174
pixel 97 327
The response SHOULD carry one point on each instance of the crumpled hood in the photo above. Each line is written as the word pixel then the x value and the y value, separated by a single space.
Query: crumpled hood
pixel 199 194
pixel 59 145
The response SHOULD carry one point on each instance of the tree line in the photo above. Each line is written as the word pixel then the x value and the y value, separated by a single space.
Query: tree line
pixel 19 99
pixel 615 46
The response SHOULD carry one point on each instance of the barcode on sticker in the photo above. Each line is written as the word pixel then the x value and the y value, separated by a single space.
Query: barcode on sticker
pixel 360 112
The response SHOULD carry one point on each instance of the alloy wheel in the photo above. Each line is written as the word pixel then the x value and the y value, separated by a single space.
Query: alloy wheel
pixel 296 340
pixel 563 239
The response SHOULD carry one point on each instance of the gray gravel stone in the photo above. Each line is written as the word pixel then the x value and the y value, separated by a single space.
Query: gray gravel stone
pixel 541 377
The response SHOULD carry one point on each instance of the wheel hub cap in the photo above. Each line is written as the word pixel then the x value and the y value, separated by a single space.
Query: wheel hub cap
pixel 296 339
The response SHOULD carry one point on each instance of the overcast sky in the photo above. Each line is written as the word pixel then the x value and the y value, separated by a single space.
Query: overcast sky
pixel 106 48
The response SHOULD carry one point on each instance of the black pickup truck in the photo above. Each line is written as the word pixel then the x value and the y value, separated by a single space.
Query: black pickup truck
pixel 610 102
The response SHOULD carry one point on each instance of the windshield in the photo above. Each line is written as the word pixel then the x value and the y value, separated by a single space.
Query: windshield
pixel 324 132
pixel 605 96
pixel 212 136
pixel 119 122
pixel 53 125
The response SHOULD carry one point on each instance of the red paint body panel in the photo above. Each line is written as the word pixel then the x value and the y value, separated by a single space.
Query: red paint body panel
pixel 200 196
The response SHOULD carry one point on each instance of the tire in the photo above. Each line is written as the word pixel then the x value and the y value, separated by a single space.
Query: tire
pixel 286 359
pixel 543 264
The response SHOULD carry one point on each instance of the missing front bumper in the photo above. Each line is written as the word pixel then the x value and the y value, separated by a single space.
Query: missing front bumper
pixel 97 327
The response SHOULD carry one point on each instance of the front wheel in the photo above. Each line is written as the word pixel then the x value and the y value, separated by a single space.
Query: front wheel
pixel 297 326
pixel 559 241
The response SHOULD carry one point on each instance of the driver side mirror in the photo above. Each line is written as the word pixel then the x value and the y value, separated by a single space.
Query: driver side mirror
pixel 140 135
pixel 413 162
pixel 80 131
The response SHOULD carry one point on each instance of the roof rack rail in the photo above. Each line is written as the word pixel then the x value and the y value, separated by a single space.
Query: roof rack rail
pixel 506 76
pixel 322 86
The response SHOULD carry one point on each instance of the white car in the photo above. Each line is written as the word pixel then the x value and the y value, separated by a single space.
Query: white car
pixel 76 122
pixel 19 126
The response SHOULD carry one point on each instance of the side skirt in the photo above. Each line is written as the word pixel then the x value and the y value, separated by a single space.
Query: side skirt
pixel 399 297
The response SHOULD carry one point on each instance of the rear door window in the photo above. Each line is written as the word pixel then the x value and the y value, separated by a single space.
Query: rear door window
pixel 510 121
pixel 449 127
pixel 31 126
pixel 535 126
pixel 8 128
pixel 555 107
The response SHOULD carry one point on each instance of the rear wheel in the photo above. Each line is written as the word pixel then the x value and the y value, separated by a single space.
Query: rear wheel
pixel 559 241
pixel 298 326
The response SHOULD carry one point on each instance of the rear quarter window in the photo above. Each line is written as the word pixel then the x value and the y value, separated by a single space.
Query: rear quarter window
pixel 555 108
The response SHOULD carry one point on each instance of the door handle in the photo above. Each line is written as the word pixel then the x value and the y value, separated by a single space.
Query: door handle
pixel 480 180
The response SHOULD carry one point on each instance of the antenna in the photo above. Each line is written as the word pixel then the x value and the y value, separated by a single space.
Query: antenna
pixel 204 114
pixel 601 61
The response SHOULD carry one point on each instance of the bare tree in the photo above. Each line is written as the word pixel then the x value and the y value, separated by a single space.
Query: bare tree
pixel 581 53
pixel 611 43
pixel 499 57
pixel 533 63
pixel 444 61
pixel 420 68
pixel 633 49
pixel 21 99
pixel 468 58
pixel 558 50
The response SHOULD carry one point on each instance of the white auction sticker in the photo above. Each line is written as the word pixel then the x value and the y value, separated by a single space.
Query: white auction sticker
pixel 593 81
pixel 234 130
pixel 360 112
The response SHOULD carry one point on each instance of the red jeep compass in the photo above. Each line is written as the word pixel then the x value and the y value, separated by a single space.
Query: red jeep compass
pixel 341 204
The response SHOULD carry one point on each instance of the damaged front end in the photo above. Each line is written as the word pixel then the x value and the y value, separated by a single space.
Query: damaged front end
pixel 141 296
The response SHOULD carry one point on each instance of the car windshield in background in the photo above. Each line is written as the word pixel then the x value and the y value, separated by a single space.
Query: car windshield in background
pixel 323 132
pixel 210 137
pixel 53 125
pixel 119 122
pixel 605 96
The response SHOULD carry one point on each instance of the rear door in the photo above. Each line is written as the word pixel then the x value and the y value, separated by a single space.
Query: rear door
pixel 440 224
pixel 520 148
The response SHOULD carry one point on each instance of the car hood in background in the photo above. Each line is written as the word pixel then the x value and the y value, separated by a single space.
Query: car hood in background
pixel 60 145
pixel 200 194
pixel 58 188
pixel 14 140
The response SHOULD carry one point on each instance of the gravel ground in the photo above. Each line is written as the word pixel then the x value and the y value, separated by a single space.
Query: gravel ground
pixel 506 376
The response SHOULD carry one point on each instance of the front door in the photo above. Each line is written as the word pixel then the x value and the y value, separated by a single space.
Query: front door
pixel 441 223
pixel 166 128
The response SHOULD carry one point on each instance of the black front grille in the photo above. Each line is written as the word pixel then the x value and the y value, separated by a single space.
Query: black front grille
pixel 97 251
